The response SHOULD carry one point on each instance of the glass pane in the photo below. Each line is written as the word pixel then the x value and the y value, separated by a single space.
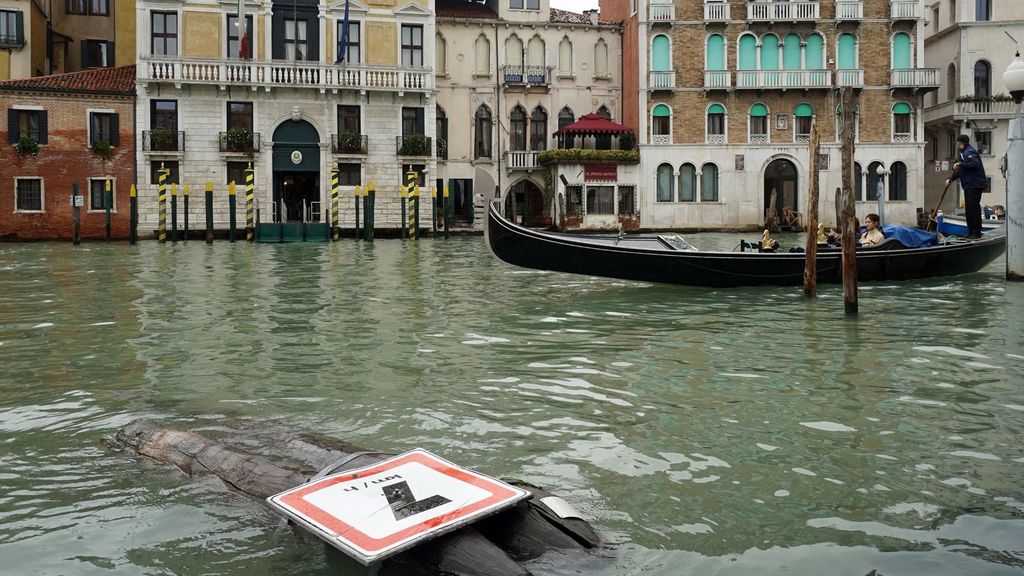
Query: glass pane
pixel 687 183
pixel 664 183
pixel 709 183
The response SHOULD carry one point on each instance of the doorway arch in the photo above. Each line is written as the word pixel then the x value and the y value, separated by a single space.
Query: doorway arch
pixel 780 176
pixel 296 165
pixel 525 203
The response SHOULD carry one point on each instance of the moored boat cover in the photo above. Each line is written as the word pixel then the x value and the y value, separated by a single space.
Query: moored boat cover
pixel 910 237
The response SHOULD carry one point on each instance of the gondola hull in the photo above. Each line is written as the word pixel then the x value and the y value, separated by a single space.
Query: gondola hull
pixel 653 259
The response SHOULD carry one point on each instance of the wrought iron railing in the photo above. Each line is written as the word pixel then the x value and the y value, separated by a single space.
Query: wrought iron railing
pixel 163 140
pixel 442 149
pixel 516 74
pixel 414 145
pixel 242 141
pixel 349 143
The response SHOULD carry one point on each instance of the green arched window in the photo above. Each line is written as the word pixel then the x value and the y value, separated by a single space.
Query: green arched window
pixel 748 52
pixel 770 52
pixel 687 183
pixel 759 110
pixel 759 123
pixel 847 52
pixel 660 54
pixel 715 52
pixel 661 120
pixel 716 123
pixel 902 123
pixel 815 57
pixel 665 191
pixel 709 183
pixel 803 111
pixel 791 52
pixel 803 115
pixel 901 54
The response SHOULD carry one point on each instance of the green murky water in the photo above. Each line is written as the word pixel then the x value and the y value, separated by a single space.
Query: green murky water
pixel 703 431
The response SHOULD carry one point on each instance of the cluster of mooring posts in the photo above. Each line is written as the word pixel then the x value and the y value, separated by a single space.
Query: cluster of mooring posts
pixel 364 205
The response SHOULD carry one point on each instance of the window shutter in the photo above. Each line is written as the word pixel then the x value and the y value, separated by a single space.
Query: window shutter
pixel 110 55
pixel 115 130
pixel 42 127
pixel 84 62
pixel 12 126
pixel 19 28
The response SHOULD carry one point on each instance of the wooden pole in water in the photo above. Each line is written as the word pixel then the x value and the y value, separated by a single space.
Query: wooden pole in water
pixel 357 211
pixel 133 214
pixel 76 215
pixel 850 303
pixel 231 211
pixel 444 209
pixel 184 199
pixel 811 243
pixel 209 212
pixel 174 212
pixel 108 200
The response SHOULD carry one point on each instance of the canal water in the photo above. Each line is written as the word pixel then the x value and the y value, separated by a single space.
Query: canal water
pixel 742 431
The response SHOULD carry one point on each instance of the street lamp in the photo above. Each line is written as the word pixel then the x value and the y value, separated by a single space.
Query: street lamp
pixel 1013 78
pixel 881 194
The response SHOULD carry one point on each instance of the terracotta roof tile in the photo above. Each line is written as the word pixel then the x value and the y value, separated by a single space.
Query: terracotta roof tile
pixel 463 10
pixel 111 81
pixel 567 17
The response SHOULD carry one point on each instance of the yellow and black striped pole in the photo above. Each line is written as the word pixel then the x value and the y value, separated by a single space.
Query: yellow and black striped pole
pixel 133 214
pixel 184 198
pixel 162 200
pixel 408 222
pixel 174 212
pixel 108 199
pixel 250 198
pixel 444 209
pixel 231 211
pixel 403 193
pixel 209 212
pixel 416 209
pixel 335 230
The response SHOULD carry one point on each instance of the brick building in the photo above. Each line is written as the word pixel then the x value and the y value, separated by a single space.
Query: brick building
pixel 66 118
pixel 726 91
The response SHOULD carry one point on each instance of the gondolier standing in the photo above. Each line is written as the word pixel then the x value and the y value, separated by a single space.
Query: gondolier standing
pixel 971 173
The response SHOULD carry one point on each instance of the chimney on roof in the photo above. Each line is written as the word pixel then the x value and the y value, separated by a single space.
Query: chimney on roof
pixel 592 14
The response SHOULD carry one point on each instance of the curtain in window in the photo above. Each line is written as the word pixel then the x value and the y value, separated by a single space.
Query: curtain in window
pixel 687 183
pixel 709 183
pixel 665 183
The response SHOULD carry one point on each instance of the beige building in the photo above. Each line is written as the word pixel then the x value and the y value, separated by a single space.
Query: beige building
pixel 967 41
pixel 509 74
pixel 293 110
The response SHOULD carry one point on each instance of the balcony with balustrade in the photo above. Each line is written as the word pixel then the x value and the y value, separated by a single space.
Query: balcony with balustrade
pixel 269 74
pixel 661 80
pixel 849 10
pixel 239 141
pixel 850 77
pixel 906 10
pixel 163 140
pixel 984 109
pixel 783 79
pixel 717 79
pixel 414 145
pixel 925 79
pixel 521 160
pixel 349 143
pixel 517 75
pixel 716 11
pixel 661 12
pixel 783 11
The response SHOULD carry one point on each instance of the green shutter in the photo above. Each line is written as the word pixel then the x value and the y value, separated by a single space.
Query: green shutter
pixel 716 109
pixel 803 111
pixel 758 110
pixel 901 51
pixel 814 59
pixel 770 52
pixel 847 52
pixel 661 110
pixel 791 52
pixel 715 52
pixel 901 108
pixel 748 52
pixel 660 55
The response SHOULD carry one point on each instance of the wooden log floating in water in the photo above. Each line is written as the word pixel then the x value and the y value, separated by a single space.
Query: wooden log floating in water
pixel 275 462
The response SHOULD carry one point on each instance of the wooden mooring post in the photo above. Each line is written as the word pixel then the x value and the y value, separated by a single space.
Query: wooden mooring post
pixel 850 303
pixel 184 200
pixel 76 215
pixel 209 212
pixel 133 214
pixel 811 243
pixel 108 201
pixel 231 211
pixel 174 212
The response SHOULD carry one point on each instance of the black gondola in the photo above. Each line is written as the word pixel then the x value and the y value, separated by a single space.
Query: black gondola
pixel 668 259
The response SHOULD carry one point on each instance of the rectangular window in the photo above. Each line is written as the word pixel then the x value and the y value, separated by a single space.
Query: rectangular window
pixel 412 121
pixel 983 142
pixel 352 52
pixel 30 123
pixel 412 45
pixel 901 126
pixel 87 7
pixel 103 126
pixel 803 126
pixel 533 4
pixel 600 200
pixel 240 116
pixel 951 145
pixel 97 54
pixel 76 6
pixel 661 126
pixel 350 174
pixel 235 36
pixel 515 4
pixel 28 193
pixel 164 34
pixel 295 39
pixel 982 10
pixel 758 125
pixel 935 147
pixel 163 114
pixel 348 119
pixel 12 33
pixel 716 124
pixel 99 8
pixel 539 136
pixel 98 194
pixel 154 171
pixel 627 200
pixel 236 173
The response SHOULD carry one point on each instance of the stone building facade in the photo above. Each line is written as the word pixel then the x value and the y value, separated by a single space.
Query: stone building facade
pixel 286 105
pixel 65 115
pixel 966 42
pixel 727 91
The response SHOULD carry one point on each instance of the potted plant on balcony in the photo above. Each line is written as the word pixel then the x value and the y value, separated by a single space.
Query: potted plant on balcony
pixel 350 143
pixel 238 140
pixel 27 146
pixel 413 145
pixel 102 149
pixel 161 139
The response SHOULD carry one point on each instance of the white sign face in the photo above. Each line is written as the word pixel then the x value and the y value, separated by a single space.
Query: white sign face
pixel 377 511
pixel 78 200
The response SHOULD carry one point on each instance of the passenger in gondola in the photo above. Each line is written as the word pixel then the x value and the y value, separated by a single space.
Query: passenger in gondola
pixel 873 235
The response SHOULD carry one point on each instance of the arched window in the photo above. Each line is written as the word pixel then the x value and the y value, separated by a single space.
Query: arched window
pixel 858 182
pixel 898 181
pixel 758 128
pixel 537 51
pixel 482 52
pixel 661 57
pixel 747 52
pixel 538 129
pixel 483 125
pixel 604 112
pixel 951 88
pixel 514 51
pixel 902 122
pixel 814 56
pixel 873 179
pixel 565 57
pixel 601 58
pixel 440 55
pixel 716 124
pixel 661 124
pixel 714 57
pixel 603 141
pixel 902 56
pixel 803 115
pixel 565 118
pixel 982 78
pixel 847 52
pixel 791 52
pixel 709 183
pixel 665 183
pixel 517 129
pixel 687 183
pixel 770 52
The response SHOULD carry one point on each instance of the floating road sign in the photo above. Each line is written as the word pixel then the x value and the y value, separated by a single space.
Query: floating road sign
pixel 377 511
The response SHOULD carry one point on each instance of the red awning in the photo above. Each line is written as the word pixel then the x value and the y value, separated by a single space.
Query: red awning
pixel 592 124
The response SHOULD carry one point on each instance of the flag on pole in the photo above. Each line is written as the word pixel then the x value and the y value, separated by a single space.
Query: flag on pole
pixel 343 46
pixel 243 32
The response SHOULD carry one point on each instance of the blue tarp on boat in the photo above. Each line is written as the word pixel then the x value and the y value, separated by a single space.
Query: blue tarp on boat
pixel 910 237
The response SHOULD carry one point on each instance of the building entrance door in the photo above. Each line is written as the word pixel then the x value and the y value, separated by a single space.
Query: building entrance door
pixel 297 196
pixel 780 177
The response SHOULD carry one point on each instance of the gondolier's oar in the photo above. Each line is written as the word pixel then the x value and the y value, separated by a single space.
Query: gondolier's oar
pixel 931 217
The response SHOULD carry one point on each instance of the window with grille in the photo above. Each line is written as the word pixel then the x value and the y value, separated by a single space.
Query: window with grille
pixel 600 200
pixel 98 194
pixel 349 174
pixel 28 194
pixel 627 200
